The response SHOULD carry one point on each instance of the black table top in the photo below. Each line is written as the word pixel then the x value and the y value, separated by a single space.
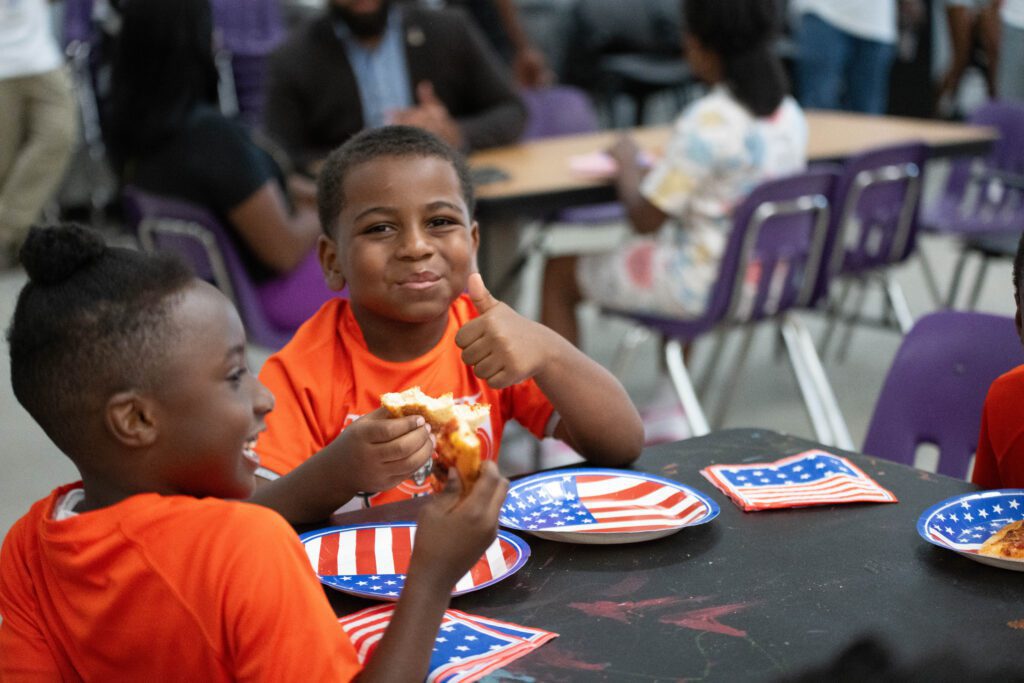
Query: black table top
pixel 752 596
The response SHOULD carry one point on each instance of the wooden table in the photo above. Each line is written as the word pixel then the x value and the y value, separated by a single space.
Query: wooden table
pixel 751 596
pixel 539 180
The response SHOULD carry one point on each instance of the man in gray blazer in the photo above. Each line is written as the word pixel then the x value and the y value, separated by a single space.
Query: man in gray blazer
pixel 368 63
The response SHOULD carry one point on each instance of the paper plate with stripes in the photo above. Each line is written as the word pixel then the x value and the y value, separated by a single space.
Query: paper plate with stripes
pixel 371 560
pixel 963 523
pixel 594 505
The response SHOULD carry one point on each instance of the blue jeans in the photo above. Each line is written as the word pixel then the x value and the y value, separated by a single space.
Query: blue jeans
pixel 836 70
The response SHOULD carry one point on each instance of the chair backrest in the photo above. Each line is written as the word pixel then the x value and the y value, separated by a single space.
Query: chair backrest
pixel 195 235
pixel 988 193
pixel 558 110
pixel 773 257
pixel 249 26
pixel 878 197
pixel 936 387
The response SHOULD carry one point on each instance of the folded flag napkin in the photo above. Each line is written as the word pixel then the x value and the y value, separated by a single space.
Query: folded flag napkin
pixel 467 648
pixel 810 478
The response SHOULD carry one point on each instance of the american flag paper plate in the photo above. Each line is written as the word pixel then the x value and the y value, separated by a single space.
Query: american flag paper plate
pixel 371 560
pixel 962 523
pixel 810 478
pixel 603 506
pixel 467 647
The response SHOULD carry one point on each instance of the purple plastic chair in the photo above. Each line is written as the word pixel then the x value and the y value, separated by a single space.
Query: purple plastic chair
pixel 982 199
pixel 558 110
pixel 194 234
pixel 936 387
pixel 248 31
pixel 783 229
pixel 878 197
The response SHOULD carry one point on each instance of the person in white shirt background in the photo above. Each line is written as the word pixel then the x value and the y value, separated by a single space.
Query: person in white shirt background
pixel 846 50
pixel 38 126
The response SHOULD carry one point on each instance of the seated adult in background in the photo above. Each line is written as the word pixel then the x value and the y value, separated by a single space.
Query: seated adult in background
pixel 367 63
pixel 999 460
pixel 745 130
pixel 167 136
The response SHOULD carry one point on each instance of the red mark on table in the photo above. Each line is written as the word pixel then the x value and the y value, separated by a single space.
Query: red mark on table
pixel 620 611
pixel 706 619
pixel 552 656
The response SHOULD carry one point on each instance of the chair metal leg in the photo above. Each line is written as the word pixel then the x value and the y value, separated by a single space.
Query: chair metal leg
pixel 684 388
pixel 898 303
pixel 818 395
pixel 930 280
pixel 729 388
pixel 627 346
pixel 852 320
pixel 834 312
pixel 711 366
pixel 972 303
pixel 958 272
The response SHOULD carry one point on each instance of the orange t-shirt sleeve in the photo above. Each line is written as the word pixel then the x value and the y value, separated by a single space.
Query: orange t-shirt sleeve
pixel 293 431
pixel 528 405
pixel 284 628
pixel 24 652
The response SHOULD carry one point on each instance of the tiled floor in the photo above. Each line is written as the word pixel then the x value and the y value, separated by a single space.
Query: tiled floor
pixel 30 466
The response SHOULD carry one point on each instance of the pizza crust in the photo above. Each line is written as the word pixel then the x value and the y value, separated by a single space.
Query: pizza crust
pixel 1008 542
pixel 454 425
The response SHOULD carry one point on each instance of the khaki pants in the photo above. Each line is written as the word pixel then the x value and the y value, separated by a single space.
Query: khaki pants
pixel 38 131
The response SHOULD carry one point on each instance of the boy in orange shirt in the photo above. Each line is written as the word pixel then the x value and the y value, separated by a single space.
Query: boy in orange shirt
pixel 396 205
pixel 137 371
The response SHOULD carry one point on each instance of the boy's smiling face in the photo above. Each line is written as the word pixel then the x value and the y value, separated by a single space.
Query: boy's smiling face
pixel 403 243
pixel 210 408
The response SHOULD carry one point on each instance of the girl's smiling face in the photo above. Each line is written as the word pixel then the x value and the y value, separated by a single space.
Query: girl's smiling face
pixel 404 242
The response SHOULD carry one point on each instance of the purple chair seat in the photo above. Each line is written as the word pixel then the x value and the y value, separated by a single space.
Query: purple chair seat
pixel 936 387
pixel 194 234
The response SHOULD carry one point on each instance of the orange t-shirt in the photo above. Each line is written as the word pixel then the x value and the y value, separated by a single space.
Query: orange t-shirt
pixel 159 587
pixel 326 377
pixel 999 462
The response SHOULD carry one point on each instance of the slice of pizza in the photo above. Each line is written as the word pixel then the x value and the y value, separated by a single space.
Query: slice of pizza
pixel 1008 542
pixel 454 425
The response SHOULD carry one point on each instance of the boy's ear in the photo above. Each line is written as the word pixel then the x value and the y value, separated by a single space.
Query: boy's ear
pixel 129 418
pixel 327 253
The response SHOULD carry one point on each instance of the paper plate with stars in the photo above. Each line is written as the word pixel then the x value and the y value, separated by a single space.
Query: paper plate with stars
pixel 371 560
pixel 592 505
pixel 964 522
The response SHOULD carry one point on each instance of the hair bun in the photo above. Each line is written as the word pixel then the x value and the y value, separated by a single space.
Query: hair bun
pixel 52 255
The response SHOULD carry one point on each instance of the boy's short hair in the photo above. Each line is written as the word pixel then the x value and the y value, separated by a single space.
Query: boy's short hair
pixel 373 143
pixel 92 320
pixel 1018 264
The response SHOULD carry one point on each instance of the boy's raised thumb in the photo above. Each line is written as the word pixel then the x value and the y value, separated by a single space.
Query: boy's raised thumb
pixel 482 298
pixel 425 93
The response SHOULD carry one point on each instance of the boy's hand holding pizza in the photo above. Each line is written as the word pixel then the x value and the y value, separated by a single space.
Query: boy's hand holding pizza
pixel 381 451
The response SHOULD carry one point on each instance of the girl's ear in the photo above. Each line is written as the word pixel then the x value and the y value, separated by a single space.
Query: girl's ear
pixel 130 419
pixel 327 253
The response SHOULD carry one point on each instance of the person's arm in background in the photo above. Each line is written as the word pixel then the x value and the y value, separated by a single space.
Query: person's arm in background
pixel 644 216
pixel 529 66
pixel 279 239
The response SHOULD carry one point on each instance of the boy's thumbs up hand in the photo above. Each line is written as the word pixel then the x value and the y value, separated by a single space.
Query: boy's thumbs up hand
pixel 481 296
pixel 503 347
